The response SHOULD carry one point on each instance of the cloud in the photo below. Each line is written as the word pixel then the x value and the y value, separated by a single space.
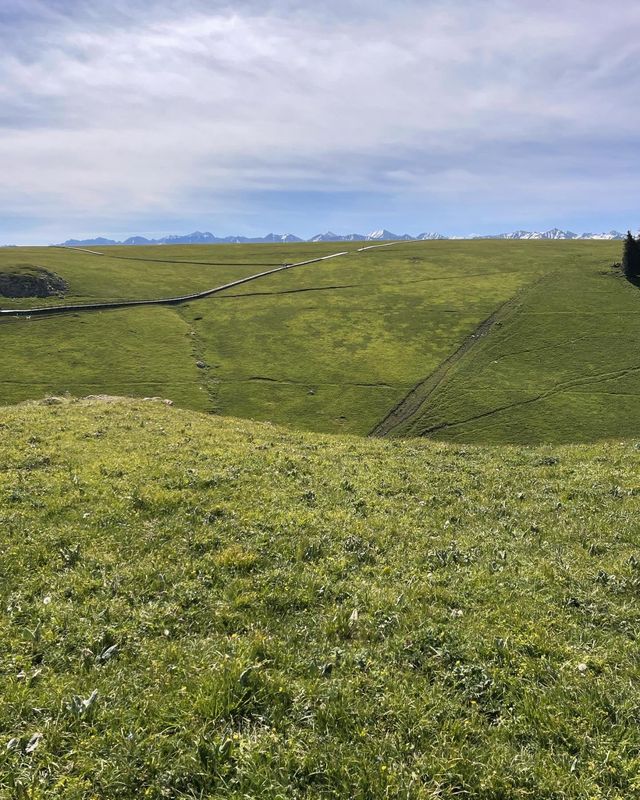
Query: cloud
pixel 140 111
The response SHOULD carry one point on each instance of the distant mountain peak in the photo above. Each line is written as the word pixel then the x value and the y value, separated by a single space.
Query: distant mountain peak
pixel 330 236
pixel 381 235
pixel 553 233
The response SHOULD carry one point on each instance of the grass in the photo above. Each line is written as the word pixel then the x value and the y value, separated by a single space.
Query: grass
pixel 144 352
pixel 560 367
pixel 199 607
pixel 331 347
pixel 336 359
pixel 125 273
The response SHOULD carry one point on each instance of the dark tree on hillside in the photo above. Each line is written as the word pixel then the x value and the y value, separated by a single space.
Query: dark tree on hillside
pixel 631 258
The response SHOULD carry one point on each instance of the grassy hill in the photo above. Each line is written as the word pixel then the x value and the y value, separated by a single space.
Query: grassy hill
pixel 208 607
pixel 560 365
pixel 124 273
pixel 336 346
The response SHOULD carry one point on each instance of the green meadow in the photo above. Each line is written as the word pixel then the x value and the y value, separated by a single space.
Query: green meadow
pixel 335 346
pixel 201 607
pixel 560 366
pixel 371 533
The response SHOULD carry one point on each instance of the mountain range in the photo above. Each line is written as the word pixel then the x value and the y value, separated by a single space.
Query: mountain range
pixel 197 237
pixel 554 233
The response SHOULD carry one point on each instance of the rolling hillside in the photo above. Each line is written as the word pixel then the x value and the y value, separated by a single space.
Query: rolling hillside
pixel 336 346
pixel 208 607
pixel 558 364
pixel 200 606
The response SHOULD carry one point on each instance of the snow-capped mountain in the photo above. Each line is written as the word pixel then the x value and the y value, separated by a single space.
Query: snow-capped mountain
pixel 284 238
pixel 374 236
pixel 197 237
pixel 612 235
pixel 135 240
pixel 386 236
pixel 512 235
pixel 554 233
pixel 383 235
pixel 330 236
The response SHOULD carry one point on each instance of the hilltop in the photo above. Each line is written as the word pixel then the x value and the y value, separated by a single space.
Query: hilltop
pixel 206 607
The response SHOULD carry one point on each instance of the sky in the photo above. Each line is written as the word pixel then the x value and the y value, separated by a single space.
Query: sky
pixel 462 117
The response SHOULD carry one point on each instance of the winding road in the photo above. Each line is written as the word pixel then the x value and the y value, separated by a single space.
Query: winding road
pixel 165 301
pixel 170 301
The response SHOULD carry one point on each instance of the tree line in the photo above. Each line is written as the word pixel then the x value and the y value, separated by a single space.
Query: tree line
pixel 631 258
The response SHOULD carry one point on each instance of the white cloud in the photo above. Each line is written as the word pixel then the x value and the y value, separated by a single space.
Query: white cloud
pixel 144 110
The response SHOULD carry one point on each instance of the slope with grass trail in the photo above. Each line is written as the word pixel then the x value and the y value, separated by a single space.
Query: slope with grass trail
pixel 562 367
pixel 166 301
pixel 341 343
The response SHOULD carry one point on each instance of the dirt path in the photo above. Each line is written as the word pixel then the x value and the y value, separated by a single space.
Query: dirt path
pixel 167 301
pixel 414 402
pixel 387 244
pixel 172 301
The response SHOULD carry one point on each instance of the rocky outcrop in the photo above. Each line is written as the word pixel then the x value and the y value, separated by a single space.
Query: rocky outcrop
pixel 25 280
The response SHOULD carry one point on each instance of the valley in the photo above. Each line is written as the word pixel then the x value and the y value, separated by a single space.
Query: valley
pixel 335 345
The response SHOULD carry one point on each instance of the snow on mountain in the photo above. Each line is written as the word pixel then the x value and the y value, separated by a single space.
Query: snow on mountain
pixel 386 236
pixel 135 240
pixel 554 233
pixel 611 236
pixel 285 238
pixel 330 236
pixel 234 240
pixel 512 235
pixel 198 237
pixel 270 238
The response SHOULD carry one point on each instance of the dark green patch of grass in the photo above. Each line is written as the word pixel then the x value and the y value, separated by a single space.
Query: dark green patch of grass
pixel 197 607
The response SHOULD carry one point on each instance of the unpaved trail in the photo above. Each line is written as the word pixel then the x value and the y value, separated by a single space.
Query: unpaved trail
pixel 171 301
pixel 411 405
pixel 167 301
pixel 421 392
pixel 387 244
